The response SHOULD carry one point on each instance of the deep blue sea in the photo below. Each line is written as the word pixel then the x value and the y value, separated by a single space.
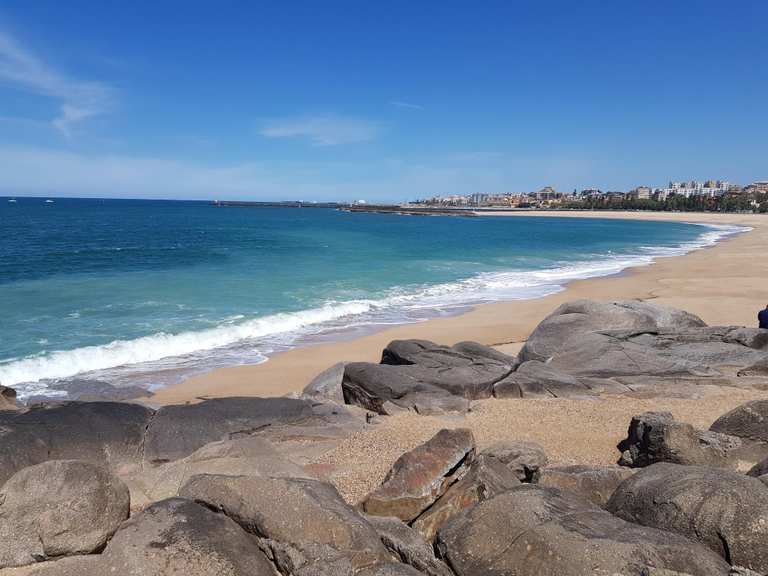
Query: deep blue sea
pixel 149 292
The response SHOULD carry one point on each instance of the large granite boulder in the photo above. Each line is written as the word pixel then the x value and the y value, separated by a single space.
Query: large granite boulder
pixel 327 385
pixel 177 431
pixel 724 510
pixel 757 368
pixel 178 536
pixel 536 531
pixel 534 379
pixel 748 421
pixel 59 508
pixel 304 526
pixel 104 433
pixel 246 456
pixel 594 483
pixel 421 476
pixel 426 377
pixel 524 458
pixel 658 437
pixel 485 478
pixel 408 546
pixel 573 320
pixel 386 389
pixel 601 355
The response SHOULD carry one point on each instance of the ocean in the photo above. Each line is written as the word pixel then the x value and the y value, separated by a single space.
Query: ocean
pixel 150 292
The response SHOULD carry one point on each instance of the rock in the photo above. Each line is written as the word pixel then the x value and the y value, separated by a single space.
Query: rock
pixel 573 320
pixel 7 398
pixel 390 570
pixel 599 355
pixel 103 433
pixel 594 483
pixel 376 386
pixel 421 476
pixel 408 546
pixel 485 478
pixel 759 469
pixel 535 379
pixel 748 421
pixel 177 431
pixel 327 384
pixel 525 459
pixel 301 524
pixel 658 437
pixel 468 371
pixel 758 368
pixel 59 508
pixel 756 338
pixel 476 350
pixel 178 536
pixel 724 510
pixel 84 390
pixel 536 531
pixel 247 456
pixel 91 565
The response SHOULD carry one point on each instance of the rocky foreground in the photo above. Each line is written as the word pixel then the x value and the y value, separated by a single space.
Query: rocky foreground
pixel 232 486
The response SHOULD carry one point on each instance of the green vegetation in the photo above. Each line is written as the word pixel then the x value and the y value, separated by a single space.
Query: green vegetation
pixel 727 203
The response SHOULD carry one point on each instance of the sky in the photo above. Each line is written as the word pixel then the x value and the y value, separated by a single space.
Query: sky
pixel 381 101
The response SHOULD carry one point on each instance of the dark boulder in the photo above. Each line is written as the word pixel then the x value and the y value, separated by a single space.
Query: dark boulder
pixel 536 531
pixel 594 483
pixel 421 476
pixel 468 370
pixel 724 510
pixel 748 421
pixel 105 433
pixel 304 526
pixel 573 320
pixel 524 458
pixel 485 478
pixel 408 546
pixel 758 368
pixel 536 379
pixel 177 431
pixel 380 387
pixel 658 437
pixel 59 508
pixel 178 536
pixel 84 390
pixel 327 384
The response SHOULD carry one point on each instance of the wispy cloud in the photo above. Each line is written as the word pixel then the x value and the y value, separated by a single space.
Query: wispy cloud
pixel 78 100
pixel 408 105
pixel 323 130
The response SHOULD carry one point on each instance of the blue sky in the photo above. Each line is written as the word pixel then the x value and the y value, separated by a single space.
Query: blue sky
pixel 377 100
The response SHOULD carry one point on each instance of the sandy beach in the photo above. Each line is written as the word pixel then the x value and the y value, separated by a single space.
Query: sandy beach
pixel 724 284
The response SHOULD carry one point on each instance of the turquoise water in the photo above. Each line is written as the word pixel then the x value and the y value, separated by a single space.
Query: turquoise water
pixel 149 292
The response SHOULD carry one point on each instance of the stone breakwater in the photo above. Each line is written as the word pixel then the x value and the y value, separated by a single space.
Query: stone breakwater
pixel 232 486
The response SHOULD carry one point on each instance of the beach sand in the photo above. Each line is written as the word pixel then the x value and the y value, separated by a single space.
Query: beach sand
pixel 725 284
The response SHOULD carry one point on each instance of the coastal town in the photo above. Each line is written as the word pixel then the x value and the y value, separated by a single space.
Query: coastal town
pixel 707 195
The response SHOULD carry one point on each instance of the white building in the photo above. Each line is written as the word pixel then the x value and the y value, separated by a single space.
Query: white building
pixel 709 188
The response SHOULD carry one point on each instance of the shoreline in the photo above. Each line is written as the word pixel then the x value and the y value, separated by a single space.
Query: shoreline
pixel 679 281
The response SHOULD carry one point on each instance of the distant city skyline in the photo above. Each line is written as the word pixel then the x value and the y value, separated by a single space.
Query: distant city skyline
pixel 342 101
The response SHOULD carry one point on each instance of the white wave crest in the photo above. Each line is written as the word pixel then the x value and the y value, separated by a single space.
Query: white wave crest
pixel 66 363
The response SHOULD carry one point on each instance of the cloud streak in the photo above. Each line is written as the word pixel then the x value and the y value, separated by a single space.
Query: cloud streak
pixel 78 100
pixel 407 105
pixel 323 130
